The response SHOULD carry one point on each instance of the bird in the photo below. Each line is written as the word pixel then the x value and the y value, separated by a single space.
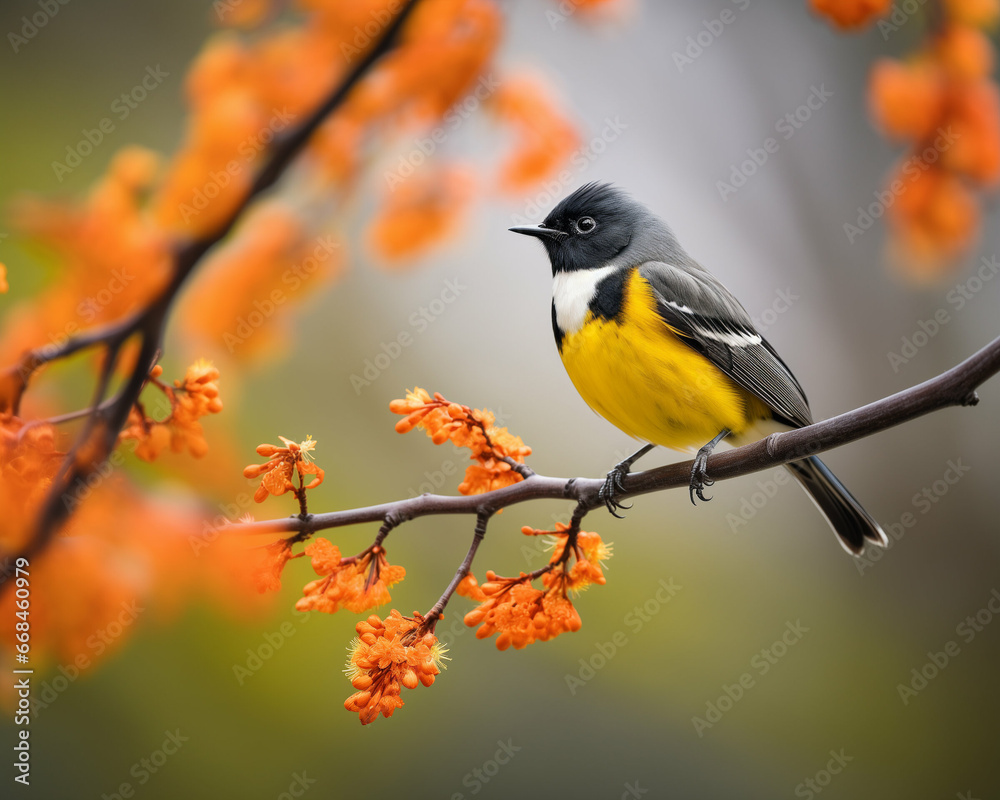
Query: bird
pixel 660 348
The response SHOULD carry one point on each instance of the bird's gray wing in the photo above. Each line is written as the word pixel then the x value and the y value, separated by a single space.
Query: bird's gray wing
pixel 709 319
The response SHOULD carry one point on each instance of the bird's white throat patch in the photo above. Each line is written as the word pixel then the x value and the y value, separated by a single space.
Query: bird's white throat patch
pixel 572 293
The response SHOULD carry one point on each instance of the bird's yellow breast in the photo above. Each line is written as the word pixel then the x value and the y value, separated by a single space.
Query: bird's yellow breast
pixel 635 372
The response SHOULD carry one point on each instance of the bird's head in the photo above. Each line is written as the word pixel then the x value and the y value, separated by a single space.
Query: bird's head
pixel 594 226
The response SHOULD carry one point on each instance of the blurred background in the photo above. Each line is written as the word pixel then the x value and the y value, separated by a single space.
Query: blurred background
pixel 735 651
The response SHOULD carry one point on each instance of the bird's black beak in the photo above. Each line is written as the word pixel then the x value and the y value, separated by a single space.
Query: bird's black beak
pixel 538 231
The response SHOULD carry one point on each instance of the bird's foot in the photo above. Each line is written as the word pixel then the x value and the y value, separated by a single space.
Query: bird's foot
pixel 699 472
pixel 613 485
pixel 699 477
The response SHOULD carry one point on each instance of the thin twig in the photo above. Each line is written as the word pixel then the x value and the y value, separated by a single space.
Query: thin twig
pixel 436 612
pixel 114 332
pixel 72 416
pixel 300 495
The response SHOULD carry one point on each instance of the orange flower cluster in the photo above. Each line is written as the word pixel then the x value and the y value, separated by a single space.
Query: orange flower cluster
pixel 592 6
pixel 465 427
pixel 280 469
pixel 247 290
pixel 421 211
pixel 942 102
pixel 469 587
pixel 4 286
pixel 29 459
pixel 386 656
pixel 190 399
pixel 851 14
pixel 545 137
pixel 267 571
pixel 589 550
pixel 521 614
pixel 356 583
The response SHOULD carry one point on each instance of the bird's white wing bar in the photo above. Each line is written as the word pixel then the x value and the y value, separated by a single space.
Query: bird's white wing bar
pixel 738 339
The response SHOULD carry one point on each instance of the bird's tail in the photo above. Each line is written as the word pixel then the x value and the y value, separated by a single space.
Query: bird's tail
pixel 852 524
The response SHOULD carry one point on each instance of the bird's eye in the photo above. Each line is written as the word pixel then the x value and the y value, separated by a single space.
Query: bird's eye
pixel 585 224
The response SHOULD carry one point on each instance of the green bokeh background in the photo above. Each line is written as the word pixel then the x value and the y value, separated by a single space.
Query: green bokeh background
pixel 631 723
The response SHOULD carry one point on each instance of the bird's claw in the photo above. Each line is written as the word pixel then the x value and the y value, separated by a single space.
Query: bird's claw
pixel 699 479
pixel 613 484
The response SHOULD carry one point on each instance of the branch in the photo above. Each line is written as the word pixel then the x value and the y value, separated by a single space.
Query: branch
pixel 956 387
pixel 106 420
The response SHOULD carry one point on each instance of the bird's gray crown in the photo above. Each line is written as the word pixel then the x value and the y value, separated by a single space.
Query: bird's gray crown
pixel 625 232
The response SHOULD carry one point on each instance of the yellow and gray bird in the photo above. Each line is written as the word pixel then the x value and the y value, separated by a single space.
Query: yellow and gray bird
pixel 660 348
